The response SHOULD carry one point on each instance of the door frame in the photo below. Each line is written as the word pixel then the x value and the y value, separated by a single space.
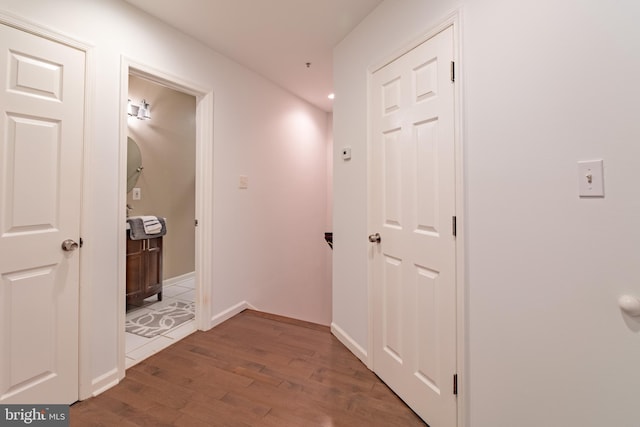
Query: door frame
pixel 84 301
pixel 453 20
pixel 204 192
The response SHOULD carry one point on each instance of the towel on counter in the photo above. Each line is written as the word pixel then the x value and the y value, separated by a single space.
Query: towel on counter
pixel 151 224
pixel 146 227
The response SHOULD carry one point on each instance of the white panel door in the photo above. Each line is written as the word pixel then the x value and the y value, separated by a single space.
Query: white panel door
pixel 413 202
pixel 41 140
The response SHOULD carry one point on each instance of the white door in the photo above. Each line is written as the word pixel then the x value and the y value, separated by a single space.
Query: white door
pixel 41 140
pixel 413 202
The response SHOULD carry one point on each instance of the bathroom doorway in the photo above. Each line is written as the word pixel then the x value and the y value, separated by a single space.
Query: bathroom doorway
pixel 161 153
pixel 168 128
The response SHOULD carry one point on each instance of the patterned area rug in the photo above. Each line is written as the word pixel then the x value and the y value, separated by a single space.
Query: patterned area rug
pixel 156 322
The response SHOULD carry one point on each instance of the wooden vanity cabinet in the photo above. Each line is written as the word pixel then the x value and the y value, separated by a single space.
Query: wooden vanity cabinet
pixel 144 270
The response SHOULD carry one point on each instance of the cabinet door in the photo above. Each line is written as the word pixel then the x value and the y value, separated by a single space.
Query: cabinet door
pixel 135 271
pixel 153 282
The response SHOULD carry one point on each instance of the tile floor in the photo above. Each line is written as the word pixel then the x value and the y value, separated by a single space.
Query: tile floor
pixel 139 348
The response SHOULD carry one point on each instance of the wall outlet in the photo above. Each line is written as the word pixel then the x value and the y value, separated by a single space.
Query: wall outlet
pixel 137 194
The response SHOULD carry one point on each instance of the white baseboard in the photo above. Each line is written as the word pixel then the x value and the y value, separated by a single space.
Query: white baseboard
pixel 230 312
pixel 104 382
pixel 177 279
pixel 348 342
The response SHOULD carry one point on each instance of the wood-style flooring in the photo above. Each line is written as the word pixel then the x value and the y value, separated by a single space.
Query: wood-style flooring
pixel 253 370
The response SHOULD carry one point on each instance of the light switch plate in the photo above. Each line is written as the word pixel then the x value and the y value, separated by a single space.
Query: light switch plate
pixel 137 194
pixel 591 178
pixel 243 182
pixel 346 153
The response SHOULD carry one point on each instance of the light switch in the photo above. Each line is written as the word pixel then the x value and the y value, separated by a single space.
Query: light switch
pixel 346 153
pixel 137 194
pixel 591 178
pixel 243 183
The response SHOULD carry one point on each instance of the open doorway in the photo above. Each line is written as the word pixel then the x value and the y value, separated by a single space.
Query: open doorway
pixel 160 266
pixel 173 183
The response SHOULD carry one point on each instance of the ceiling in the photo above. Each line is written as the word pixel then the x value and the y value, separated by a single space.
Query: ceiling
pixel 275 38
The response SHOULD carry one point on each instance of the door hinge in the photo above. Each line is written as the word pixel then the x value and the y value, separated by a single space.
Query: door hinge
pixel 81 242
pixel 455 384
pixel 454 225
pixel 453 71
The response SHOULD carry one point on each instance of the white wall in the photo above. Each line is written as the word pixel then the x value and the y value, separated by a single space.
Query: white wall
pixel 546 84
pixel 268 241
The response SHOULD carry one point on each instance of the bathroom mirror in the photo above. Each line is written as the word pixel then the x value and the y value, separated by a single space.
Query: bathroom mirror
pixel 134 163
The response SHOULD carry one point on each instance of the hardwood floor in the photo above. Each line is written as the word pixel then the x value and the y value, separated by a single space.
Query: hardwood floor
pixel 253 370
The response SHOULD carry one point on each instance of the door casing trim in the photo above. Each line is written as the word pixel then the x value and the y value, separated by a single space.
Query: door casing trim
pixel 454 20
pixel 204 191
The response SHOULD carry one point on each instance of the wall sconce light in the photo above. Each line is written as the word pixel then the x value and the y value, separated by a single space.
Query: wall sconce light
pixel 140 112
